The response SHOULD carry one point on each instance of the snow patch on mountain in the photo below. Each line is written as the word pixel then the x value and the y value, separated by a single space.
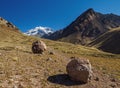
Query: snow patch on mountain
pixel 39 31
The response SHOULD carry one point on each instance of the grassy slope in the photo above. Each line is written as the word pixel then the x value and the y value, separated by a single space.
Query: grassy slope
pixel 75 38
pixel 18 66
pixel 109 41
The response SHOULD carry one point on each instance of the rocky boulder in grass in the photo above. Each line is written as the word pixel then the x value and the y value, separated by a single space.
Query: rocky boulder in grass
pixel 79 70
pixel 38 47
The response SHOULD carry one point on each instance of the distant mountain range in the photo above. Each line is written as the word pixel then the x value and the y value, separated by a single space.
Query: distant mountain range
pixel 90 28
pixel 86 27
pixel 39 31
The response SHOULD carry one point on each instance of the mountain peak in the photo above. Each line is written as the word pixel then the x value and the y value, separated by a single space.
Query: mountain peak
pixel 90 10
pixel 89 15
pixel 88 26
pixel 39 31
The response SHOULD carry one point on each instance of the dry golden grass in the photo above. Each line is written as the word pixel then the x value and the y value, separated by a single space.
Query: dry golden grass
pixel 20 67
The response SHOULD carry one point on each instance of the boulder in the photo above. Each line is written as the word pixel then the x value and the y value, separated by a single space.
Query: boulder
pixel 38 47
pixel 79 70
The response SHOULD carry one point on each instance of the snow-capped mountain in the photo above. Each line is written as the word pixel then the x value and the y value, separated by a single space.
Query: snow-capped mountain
pixel 39 31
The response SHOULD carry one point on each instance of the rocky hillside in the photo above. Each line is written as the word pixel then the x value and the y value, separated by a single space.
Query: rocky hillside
pixel 4 24
pixel 20 68
pixel 109 41
pixel 87 27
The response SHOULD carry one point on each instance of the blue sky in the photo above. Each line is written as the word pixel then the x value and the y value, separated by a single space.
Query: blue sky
pixel 57 14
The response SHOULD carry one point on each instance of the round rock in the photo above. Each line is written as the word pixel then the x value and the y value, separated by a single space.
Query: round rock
pixel 79 70
pixel 38 47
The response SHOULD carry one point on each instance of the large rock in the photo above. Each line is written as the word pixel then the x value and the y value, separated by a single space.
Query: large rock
pixel 79 70
pixel 38 47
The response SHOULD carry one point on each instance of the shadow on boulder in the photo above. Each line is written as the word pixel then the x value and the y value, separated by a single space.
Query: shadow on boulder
pixel 63 79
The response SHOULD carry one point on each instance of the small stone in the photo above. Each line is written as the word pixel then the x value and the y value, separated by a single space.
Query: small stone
pixel 113 85
pixel 1 72
pixel 113 80
pixel 60 70
pixel 72 58
pixel 49 59
pixel 51 53
pixel 118 84
pixel 96 79
pixel 55 60
pixel 20 86
pixel 15 86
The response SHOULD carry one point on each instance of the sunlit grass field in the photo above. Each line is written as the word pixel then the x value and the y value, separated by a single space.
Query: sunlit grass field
pixel 18 63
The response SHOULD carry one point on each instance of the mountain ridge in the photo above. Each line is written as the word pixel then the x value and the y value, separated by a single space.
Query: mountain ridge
pixel 90 25
pixel 4 24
